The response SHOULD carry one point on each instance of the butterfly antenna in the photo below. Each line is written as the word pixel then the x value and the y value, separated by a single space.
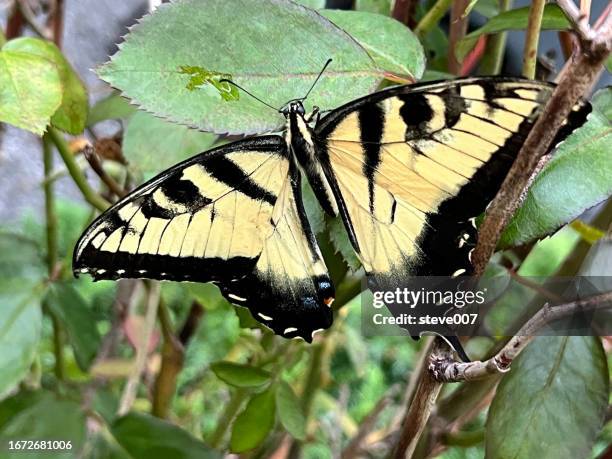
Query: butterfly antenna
pixel 249 93
pixel 316 81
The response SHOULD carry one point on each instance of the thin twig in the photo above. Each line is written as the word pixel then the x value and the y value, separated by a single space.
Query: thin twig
pixel 532 37
pixel 458 27
pixel 30 19
pixel 432 18
pixel 422 404
pixel 56 21
pixel 15 23
pixel 448 370
pixel 94 161
pixel 131 387
pixel 577 78
pixel 75 172
pixel 52 256
pixel 404 10
pixel 367 424
pixel 173 358
pixel 493 57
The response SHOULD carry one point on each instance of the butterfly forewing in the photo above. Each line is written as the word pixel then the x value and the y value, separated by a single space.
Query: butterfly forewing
pixel 232 216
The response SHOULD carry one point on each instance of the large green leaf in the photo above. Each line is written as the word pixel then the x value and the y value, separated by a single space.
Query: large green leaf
pixel 45 417
pixel 374 6
pixel 254 423
pixel 72 113
pixel 30 90
pixel 393 46
pixel 21 257
pixel 238 375
pixel 602 101
pixel 20 325
pixel 553 19
pixel 575 179
pixel 290 411
pixel 274 48
pixel 152 144
pixel 112 107
pixel 553 401
pixel 146 437
pixel 77 318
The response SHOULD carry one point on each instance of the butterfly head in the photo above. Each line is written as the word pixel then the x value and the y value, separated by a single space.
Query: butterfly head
pixel 294 106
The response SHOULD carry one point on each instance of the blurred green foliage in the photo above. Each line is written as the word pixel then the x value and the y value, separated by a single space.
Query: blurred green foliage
pixel 67 346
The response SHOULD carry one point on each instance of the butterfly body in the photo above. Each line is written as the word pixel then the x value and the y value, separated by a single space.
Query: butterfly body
pixel 407 169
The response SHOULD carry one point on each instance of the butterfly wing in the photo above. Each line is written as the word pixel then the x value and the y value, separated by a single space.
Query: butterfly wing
pixel 233 216
pixel 412 166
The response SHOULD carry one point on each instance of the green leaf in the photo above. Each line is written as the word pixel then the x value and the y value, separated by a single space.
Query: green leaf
pixel 553 19
pixel 602 101
pixel 30 91
pixel 290 411
pixel 72 113
pixel 239 375
pixel 113 107
pixel 553 401
pixel 313 4
pixel 254 423
pixel 77 317
pixel 393 46
pixel 20 328
pixel 152 144
pixel 340 240
pixel 488 8
pixel 575 179
pixel 374 6
pixel 146 437
pixel 200 77
pixel 46 418
pixel 21 257
pixel 241 38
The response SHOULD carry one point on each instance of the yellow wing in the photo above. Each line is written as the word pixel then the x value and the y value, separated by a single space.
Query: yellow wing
pixel 232 216
pixel 412 166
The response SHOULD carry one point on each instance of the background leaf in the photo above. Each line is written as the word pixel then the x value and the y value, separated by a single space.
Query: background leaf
pixel 153 145
pixel 393 47
pixel 72 113
pixel 290 411
pixel 238 375
pixel 77 318
pixel 274 48
pixel 30 90
pixel 254 423
pixel 45 417
pixel 146 437
pixel 112 107
pixel 575 179
pixel 552 402
pixel 20 328
pixel 553 19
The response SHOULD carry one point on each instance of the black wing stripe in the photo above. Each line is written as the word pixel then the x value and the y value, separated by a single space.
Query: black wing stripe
pixel 229 173
pixel 371 124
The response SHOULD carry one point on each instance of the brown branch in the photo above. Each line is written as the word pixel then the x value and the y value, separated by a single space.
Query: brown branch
pixel 458 27
pixel 94 161
pixel 576 80
pixel 448 370
pixel 422 404
pixel 353 448
pixel 404 11
pixel 30 18
pixel 15 23
pixel 173 358
pixel 129 392
pixel 56 22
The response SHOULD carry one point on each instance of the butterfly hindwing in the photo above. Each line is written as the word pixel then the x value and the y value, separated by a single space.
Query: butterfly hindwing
pixel 232 216
pixel 412 166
